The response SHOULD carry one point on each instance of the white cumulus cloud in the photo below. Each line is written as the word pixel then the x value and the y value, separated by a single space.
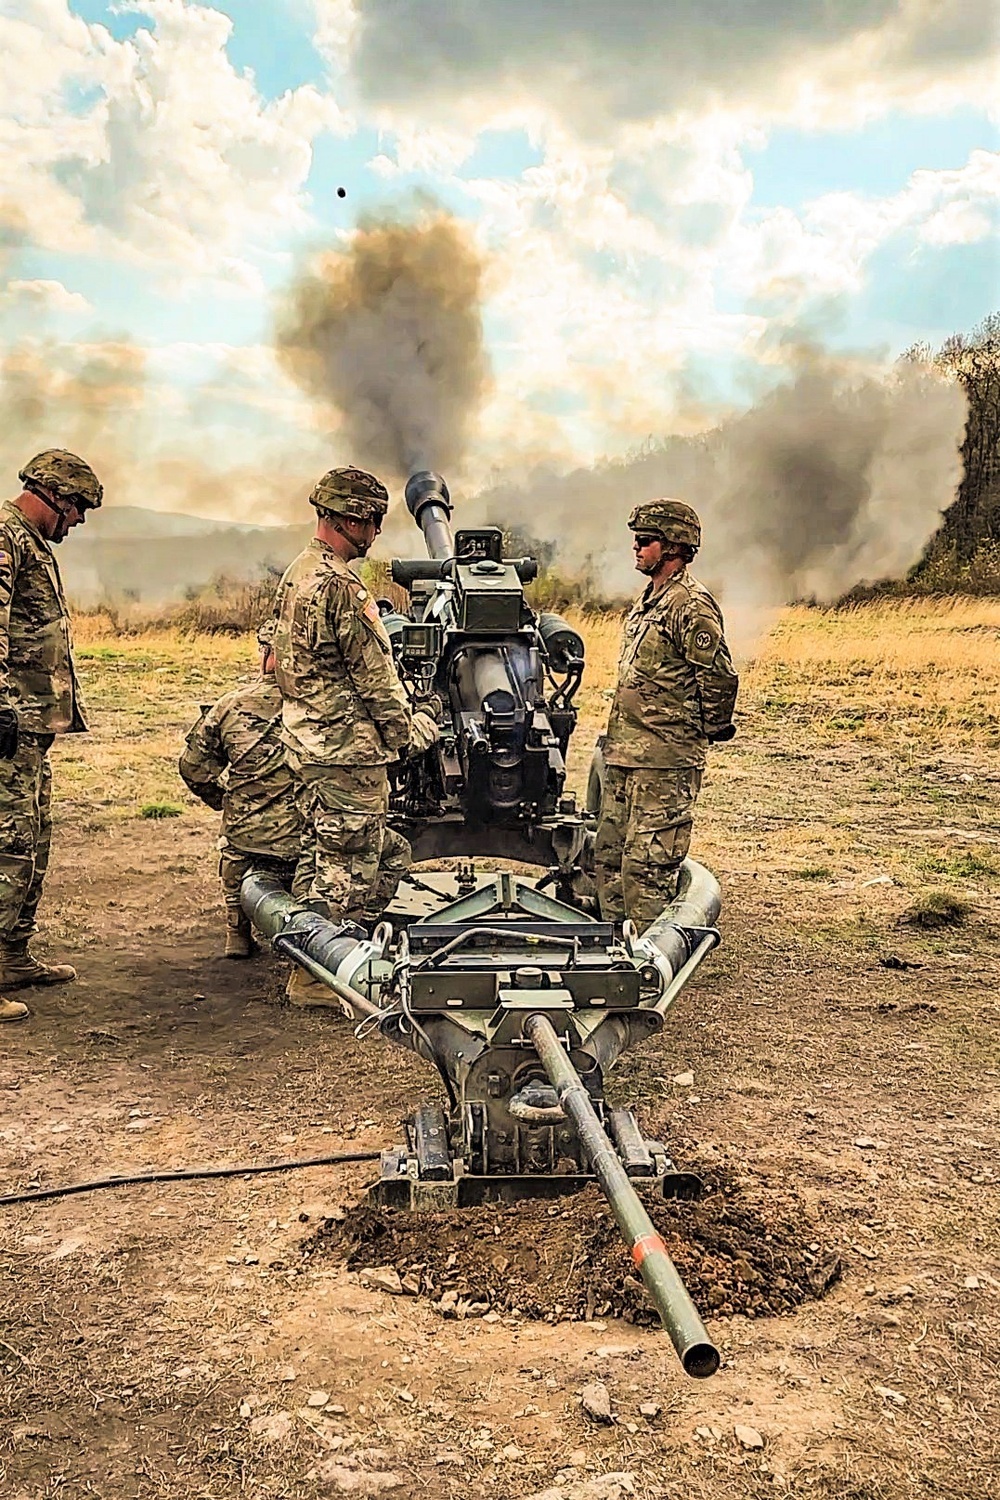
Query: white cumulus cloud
pixel 154 149
pixel 50 296
pixel 799 257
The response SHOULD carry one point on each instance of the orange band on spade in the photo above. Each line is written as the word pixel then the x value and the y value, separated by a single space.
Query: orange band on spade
pixel 645 1245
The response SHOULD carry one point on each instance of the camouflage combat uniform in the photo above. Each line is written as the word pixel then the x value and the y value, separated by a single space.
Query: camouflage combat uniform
pixel 346 716
pixel 37 680
pixel 234 760
pixel 676 691
pixel 39 698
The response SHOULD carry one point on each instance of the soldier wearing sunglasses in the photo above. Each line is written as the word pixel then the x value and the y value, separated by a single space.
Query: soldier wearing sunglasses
pixel 675 696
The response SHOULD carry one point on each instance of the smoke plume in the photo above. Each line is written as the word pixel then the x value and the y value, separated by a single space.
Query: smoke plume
pixel 387 336
pixel 837 476
pixel 152 444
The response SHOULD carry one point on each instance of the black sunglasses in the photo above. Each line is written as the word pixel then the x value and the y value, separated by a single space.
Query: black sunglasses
pixel 645 538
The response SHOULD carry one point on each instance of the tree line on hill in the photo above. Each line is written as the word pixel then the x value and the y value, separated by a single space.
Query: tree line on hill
pixel 964 554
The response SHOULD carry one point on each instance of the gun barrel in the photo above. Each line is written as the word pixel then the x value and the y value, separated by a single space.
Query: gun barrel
pixel 678 1313
pixel 429 503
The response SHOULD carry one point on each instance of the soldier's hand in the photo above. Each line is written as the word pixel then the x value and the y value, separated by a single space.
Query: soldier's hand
pixel 213 796
pixel 9 733
pixel 719 736
pixel 423 733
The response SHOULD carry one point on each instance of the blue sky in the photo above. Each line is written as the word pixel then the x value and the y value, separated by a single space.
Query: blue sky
pixel 172 174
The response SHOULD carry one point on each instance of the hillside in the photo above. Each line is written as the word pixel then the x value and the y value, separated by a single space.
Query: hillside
pixel 130 553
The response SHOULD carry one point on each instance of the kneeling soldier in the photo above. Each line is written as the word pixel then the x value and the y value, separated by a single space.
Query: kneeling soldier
pixel 234 761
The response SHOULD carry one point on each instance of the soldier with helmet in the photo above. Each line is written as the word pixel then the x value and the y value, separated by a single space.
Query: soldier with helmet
pixel 675 696
pixel 234 761
pixel 345 713
pixel 39 698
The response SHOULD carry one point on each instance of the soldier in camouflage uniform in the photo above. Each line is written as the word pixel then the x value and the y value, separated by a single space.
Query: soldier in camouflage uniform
pixel 235 762
pixel 39 698
pixel 345 713
pixel 675 696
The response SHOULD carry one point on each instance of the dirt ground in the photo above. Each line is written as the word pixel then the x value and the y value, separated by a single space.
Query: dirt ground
pixel 221 1338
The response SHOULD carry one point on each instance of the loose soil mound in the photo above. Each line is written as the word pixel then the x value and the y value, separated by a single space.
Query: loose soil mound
pixel 739 1251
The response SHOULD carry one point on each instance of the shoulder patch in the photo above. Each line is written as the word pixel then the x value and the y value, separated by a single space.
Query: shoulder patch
pixel 702 641
pixel 362 597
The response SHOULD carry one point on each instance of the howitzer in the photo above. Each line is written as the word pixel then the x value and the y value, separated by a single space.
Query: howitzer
pixel 521 1001
pixel 505 677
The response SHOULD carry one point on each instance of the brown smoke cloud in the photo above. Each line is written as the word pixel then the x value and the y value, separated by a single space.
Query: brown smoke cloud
pixel 386 335
pixel 836 476
pixel 151 444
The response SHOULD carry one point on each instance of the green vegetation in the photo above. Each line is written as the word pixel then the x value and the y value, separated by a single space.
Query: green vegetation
pixel 937 908
pixel 965 866
pixel 160 810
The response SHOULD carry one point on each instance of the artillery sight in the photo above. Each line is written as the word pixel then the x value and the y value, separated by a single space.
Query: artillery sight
pixel 505 677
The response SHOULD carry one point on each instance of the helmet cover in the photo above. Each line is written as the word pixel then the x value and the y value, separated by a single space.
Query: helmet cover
pixel 353 493
pixel 671 520
pixel 65 476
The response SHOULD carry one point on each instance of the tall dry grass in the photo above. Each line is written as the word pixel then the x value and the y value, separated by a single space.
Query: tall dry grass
pixel 226 606
pixel 907 671
pixel 905 676
pixel 913 674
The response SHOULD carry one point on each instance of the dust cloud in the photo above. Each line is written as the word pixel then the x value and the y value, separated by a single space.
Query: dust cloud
pixel 99 400
pixel 52 395
pixel 838 475
pixel 386 335
pixel 89 401
pixel 161 448
pixel 99 397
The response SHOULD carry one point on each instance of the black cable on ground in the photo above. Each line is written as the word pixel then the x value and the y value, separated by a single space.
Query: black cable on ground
pixel 188 1174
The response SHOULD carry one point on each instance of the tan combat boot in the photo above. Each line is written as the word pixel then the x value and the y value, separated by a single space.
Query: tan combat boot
pixel 239 935
pixel 13 1010
pixel 19 967
pixel 305 991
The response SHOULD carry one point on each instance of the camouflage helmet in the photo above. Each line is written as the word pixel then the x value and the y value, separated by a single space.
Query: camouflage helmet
pixel 65 477
pixel 670 519
pixel 265 634
pixel 353 493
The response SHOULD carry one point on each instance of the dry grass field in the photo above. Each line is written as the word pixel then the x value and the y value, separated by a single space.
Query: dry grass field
pixel 159 1343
